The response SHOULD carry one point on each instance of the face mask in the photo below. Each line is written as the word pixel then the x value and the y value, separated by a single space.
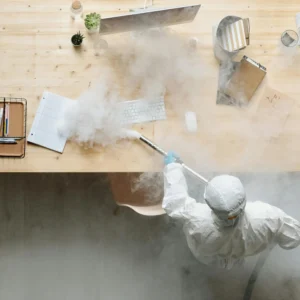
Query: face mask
pixel 224 222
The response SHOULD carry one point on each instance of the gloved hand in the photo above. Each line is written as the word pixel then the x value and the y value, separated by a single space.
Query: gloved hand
pixel 171 158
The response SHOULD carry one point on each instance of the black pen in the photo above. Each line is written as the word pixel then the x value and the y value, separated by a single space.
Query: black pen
pixel 8 142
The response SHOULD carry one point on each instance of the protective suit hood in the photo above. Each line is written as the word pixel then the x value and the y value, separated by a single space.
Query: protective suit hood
pixel 225 195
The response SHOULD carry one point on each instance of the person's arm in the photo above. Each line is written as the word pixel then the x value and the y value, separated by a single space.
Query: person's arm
pixel 289 233
pixel 176 202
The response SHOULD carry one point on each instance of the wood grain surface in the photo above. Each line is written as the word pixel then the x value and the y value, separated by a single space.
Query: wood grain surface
pixel 36 55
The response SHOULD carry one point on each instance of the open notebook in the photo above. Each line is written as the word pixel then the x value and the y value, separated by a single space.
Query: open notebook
pixel 44 130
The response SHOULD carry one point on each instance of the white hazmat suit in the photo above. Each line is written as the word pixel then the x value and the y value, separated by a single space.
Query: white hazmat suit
pixel 225 230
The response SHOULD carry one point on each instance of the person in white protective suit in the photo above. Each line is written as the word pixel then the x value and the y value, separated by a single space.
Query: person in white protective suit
pixel 225 230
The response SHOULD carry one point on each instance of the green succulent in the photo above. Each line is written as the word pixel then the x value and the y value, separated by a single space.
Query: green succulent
pixel 92 21
pixel 77 38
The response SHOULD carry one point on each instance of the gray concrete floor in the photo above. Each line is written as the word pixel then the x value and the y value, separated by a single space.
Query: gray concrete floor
pixel 62 238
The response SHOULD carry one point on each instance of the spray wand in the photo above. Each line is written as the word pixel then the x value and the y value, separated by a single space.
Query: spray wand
pixel 164 153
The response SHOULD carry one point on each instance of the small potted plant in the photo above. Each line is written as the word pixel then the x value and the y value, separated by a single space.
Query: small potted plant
pixel 92 22
pixel 77 39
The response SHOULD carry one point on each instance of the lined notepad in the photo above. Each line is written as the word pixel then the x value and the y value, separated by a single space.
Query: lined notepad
pixel 44 130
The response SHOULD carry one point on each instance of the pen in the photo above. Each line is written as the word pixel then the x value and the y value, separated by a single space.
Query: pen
pixel 3 119
pixel 8 112
pixel 12 142
pixel 11 138
pixel 6 128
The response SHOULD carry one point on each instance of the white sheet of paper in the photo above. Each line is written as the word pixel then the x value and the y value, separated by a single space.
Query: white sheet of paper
pixel 44 128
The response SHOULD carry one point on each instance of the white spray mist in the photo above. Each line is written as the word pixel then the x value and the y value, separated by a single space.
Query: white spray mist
pixel 95 118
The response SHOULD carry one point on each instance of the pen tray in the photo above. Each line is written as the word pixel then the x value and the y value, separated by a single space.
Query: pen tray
pixel 17 127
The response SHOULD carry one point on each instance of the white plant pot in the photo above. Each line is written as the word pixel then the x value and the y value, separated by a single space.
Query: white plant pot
pixel 93 30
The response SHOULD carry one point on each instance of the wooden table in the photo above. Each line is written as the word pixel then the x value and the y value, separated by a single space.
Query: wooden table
pixel 36 55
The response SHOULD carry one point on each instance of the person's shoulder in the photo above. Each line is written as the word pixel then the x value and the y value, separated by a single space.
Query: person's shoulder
pixel 204 209
pixel 202 222
pixel 201 213
pixel 259 209
pixel 258 204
